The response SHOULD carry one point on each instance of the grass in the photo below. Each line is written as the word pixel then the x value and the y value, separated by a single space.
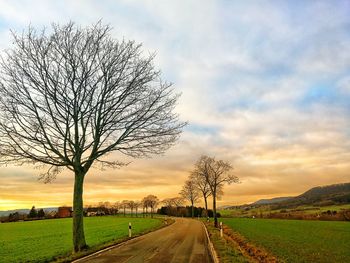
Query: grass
pixel 226 252
pixel 265 209
pixel 297 240
pixel 45 240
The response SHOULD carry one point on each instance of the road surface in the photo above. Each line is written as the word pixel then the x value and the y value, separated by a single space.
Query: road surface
pixel 182 242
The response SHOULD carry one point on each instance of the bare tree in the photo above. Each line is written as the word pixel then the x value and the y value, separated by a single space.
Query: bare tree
pixel 137 204
pixel 131 205
pixel 190 192
pixel 202 185
pixel 116 206
pixel 150 201
pixel 145 205
pixel 217 173
pixel 173 201
pixel 70 97
pixel 173 204
pixel 124 205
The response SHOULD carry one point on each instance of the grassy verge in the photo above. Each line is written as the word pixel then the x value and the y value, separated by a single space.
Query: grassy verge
pixel 297 240
pixel 49 240
pixel 226 251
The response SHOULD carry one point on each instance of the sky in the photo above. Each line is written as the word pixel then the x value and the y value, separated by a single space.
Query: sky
pixel 265 86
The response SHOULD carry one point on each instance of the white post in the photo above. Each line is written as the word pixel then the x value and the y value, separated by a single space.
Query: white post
pixel 221 231
pixel 129 229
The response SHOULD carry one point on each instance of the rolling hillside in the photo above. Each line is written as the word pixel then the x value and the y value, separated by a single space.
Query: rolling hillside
pixel 321 195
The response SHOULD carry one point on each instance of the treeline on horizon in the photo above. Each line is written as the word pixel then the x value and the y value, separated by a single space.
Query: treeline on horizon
pixel 186 211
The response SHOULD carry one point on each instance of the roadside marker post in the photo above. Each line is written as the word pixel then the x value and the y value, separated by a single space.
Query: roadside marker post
pixel 129 229
pixel 221 231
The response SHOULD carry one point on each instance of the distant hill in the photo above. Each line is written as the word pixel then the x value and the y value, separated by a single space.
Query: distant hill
pixel 272 200
pixel 26 211
pixel 321 195
pixel 326 191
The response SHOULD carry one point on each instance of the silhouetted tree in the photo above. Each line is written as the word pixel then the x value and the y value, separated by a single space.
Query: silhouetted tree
pixel 116 206
pixel 124 205
pixel 150 201
pixel 41 213
pixel 33 213
pixel 71 96
pixel 137 204
pixel 13 217
pixel 131 205
pixel 202 185
pixel 190 192
pixel 173 201
pixel 172 204
pixel 217 173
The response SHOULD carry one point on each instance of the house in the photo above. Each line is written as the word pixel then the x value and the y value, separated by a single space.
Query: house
pixel 64 211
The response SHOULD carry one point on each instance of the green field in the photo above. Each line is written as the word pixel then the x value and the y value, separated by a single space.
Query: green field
pixel 297 240
pixel 43 240
pixel 266 209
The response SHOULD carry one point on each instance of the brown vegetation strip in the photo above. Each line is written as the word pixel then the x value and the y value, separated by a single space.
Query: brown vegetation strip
pixel 249 250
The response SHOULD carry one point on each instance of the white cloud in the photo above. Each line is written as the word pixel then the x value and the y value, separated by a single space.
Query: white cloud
pixel 242 69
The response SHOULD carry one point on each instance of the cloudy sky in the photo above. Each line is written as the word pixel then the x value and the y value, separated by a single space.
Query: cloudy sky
pixel 265 85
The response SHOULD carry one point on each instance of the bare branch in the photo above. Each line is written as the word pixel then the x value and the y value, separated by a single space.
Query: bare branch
pixel 70 97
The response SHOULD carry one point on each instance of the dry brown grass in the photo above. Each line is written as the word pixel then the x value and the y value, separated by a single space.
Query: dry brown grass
pixel 254 253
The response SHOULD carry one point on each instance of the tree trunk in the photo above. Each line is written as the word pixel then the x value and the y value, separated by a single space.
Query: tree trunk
pixel 192 210
pixel 214 211
pixel 78 213
pixel 206 205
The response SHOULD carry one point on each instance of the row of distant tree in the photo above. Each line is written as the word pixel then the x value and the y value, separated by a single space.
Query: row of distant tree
pixel 148 205
pixel 208 179
pixel 33 214
pixel 186 211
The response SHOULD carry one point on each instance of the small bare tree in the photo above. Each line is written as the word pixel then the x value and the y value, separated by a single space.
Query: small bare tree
pixel 216 173
pixel 124 205
pixel 150 201
pixel 145 205
pixel 71 97
pixel 116 207
pixel 173 201
pixel 202 185
pixel 190 192
pixel 131 205
pixel 173 204
pixel 137 204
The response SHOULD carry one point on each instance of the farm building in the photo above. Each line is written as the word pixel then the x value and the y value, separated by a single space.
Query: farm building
pixel 64 211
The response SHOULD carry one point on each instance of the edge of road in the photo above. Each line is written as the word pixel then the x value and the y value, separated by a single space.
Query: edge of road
pixel 119 244
pixel 212 251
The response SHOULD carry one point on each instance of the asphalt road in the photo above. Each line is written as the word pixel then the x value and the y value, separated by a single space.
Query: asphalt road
pixel 182 242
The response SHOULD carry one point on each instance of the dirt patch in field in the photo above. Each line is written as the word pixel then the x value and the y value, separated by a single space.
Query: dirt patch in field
pixel 251 251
